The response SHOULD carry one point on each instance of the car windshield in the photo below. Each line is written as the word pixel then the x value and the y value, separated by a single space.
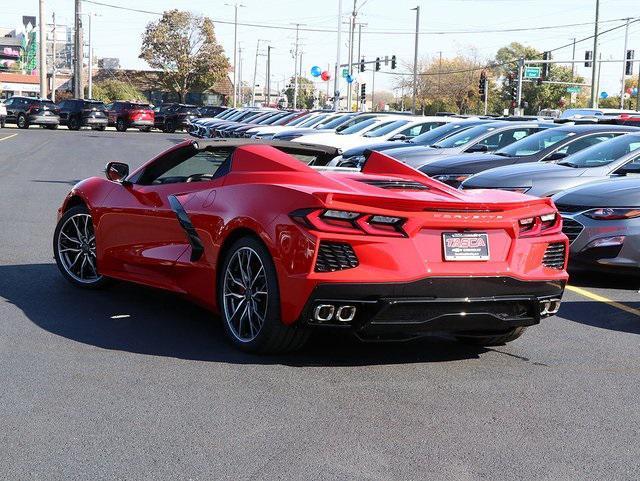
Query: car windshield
pixel 584 112
pixel 353 121
pixel 384 129
pixel 285 119
pixel 464 137
pixel 313 120
pixel 300 120
pixel 535 143
pixel 603 153
pixel 440 133
pixel 358 127
pixel 331 122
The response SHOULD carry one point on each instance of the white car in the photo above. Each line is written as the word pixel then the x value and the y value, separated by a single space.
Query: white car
pixel 3 114
pixel 308 121
pixel 374 131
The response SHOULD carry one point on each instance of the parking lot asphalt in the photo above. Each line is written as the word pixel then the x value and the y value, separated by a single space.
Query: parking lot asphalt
pixel 132 383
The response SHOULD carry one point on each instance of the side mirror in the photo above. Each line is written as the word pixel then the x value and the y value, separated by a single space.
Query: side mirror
pixel 631 168
pixel 116 171
pixel 478 148
pixel 555 156
pixel 399 137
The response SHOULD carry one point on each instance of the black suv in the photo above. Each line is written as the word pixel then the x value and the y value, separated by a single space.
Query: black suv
pixel 211 110
pixel 26 111
pixel 172 117
pixel 76 113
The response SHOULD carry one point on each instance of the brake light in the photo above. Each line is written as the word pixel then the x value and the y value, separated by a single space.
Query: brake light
pixel 348 222
pixel 538 225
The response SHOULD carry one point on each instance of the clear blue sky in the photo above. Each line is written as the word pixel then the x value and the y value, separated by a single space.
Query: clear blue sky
pixel 117 33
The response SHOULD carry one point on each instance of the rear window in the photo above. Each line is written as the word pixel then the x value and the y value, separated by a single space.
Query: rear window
pixel 47 103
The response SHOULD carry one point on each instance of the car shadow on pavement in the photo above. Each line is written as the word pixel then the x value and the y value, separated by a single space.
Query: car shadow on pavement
pixel 136 319
pixel 604 280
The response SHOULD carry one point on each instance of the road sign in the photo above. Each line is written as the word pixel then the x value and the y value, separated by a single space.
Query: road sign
pixel 532 72
pixel 574 89
pixel 345 72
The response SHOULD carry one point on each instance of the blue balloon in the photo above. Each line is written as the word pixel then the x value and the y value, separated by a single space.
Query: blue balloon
pixel 316 71
pixel 603 95
pixel 635 91
pixel 349 79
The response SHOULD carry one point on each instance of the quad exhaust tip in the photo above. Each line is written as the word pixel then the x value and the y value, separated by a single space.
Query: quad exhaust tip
pixel 328 312
pixel 549 307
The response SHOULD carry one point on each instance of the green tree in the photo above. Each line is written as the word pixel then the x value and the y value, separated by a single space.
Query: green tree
pixel 306 92
pixel 111 90
pixel 184 46
pixel 538 97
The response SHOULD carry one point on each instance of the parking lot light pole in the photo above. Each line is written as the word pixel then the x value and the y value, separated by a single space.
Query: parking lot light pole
pixel 415 59
pixel 42 23
pixel 519 94
pixel 624 64
pixel 235 51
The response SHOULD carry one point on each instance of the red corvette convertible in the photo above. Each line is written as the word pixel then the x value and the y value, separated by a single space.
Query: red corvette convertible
pixel 278 246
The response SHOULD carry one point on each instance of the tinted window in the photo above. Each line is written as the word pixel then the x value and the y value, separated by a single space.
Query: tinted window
pixel 603 153
pixel 385 128
pixel 584 142
pixel 505 138
pixel 420 129
pixel 464 137
pixel 535 143
pixel 358 126
pixel 185 163
pixel 333 123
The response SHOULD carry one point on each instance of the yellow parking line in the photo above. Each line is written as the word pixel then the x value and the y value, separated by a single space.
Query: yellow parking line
pixel 7 137
pixel 599 298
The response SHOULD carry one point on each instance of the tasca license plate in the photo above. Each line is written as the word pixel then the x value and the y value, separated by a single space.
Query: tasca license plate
pixel 466 246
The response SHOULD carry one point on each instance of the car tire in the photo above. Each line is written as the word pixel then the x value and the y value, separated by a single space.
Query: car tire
pixel 74 249
pixel 261 329
pixel 494 340
pixel 2 123
pixel 73 123
pixel 169 127
pixel 121 125
pixel 22 122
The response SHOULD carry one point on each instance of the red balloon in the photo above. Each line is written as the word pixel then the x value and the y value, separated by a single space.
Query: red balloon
pixel 629 90
pixel 325 75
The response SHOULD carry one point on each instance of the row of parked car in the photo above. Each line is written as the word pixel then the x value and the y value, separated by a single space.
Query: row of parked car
pixel 78 113
pixel 590 168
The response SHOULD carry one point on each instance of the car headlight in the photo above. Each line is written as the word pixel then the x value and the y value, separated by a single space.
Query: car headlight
pixel 613 213
pixel 451 177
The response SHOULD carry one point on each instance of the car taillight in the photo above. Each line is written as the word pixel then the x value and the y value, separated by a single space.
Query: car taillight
pixel 348 222
pixel 542 224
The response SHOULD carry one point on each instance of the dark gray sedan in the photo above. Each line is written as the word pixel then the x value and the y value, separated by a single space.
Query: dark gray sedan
pixel 614 157
pixel 602 221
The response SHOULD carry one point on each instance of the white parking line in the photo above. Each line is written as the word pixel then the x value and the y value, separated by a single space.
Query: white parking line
pixel 7 137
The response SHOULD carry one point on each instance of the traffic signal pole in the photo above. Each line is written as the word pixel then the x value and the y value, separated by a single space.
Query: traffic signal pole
pixel 624 65
pixel 486 97
pixel 518 108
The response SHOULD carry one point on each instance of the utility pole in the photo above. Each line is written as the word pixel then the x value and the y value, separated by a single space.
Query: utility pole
pixel 240 76
pixel 595 104
pixel 486 97
pixel 268 83
pixel 42 50
pixel 373 89
pixel 255 71
pixel 53 60
pixel 352 29
pixel 90 84
pixel 235 50
pixel 77 67
pixel 336 84
pixel 594 73
pixel 519 94
pixel 415 60
pixel 624 64
pixel 573 57
pixel 295 67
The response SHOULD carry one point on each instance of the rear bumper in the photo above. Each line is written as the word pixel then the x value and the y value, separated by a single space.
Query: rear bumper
pixel 95 122
pixel 446 305
pixel 140 123
pixel 44 119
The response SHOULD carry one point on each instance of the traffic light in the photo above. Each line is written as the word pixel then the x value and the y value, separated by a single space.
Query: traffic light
pixel 546 67
pixel 588 56
pixel 482 85
pixel 377 64
pixel 628 66
pixel 362 64
pixel 512 87
pixel 393 62
pixel 363 92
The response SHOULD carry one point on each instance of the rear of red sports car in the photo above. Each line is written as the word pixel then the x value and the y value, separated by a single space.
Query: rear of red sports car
pixel 390 254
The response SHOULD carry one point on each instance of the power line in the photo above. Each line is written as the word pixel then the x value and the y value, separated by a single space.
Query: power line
pixel 367 32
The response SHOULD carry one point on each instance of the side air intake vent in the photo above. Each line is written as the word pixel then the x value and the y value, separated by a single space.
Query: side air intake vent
pixel 554 256
pixel 571 228
pixel 335 256
pixel 396 184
